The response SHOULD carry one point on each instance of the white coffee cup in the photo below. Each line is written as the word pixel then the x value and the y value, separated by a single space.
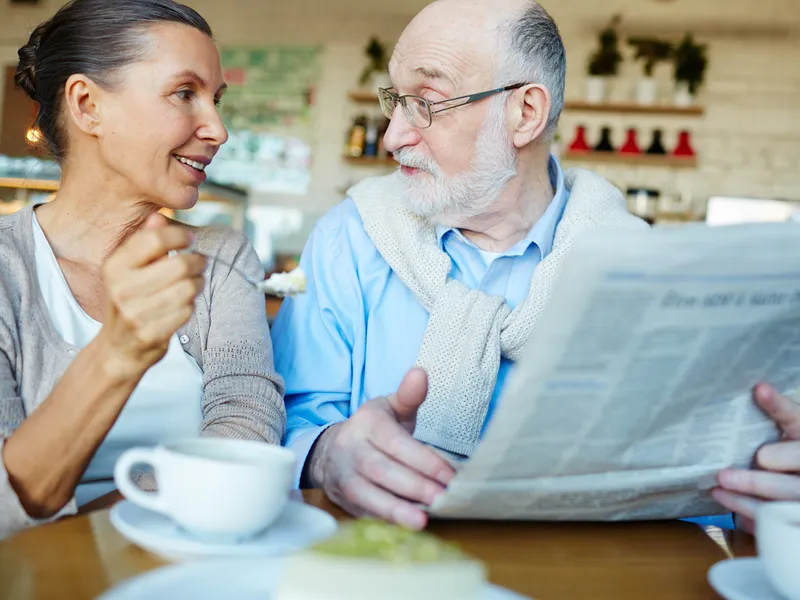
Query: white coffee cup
pixel 217 489
pixel 778 543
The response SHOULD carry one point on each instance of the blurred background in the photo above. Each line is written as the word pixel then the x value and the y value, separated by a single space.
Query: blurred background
pixel 691 107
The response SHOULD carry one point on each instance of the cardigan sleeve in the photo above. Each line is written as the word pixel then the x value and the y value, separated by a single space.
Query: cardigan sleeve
pixel 13 517
pixel 243 395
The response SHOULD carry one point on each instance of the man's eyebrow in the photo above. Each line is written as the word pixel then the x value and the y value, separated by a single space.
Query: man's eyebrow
pixel 434 73
pixel 193 75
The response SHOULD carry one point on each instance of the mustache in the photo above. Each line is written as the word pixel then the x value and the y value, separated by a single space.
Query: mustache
pixel 409 159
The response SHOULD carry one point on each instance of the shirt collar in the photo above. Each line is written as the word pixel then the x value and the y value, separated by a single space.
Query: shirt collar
pixel 543 231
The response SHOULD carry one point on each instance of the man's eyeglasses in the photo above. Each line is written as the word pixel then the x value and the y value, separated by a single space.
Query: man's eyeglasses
pixel 419 112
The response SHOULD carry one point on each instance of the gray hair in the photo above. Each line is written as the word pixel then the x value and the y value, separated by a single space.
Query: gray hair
pixel 532 51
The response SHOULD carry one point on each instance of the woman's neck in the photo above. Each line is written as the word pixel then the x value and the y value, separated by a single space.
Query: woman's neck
pixel 90 217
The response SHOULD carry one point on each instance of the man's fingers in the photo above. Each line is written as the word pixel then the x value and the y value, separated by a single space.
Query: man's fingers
pixel 394 441
pixel 761 484
pixel 737 503
pixel 410 395
pixel 782 410
pixel 377 467
pixel 783 457
pixel 361 495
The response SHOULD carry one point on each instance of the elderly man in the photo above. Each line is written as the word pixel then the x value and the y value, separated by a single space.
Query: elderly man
pixel 444 265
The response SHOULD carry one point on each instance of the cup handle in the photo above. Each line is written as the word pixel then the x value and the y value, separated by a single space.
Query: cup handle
pixel 122 478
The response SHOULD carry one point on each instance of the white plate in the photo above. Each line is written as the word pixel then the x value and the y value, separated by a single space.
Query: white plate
pixel 741 579
pixel 298 527
pixel 247 579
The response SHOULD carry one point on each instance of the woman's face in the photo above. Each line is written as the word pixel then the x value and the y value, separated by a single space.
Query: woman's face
pixel 160 126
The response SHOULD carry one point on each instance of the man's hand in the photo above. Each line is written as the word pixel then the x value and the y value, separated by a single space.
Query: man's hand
pixel 778 474
pixel 371 464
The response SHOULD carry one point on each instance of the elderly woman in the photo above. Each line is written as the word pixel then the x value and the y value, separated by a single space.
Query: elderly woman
pixel 111 333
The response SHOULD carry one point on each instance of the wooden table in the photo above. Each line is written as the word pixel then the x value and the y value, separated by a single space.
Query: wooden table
pixel 81 557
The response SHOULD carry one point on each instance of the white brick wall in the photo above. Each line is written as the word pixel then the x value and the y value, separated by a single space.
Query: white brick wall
pixel 748 141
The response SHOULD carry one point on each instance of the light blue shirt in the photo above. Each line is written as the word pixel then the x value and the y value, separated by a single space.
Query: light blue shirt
pixel 358 329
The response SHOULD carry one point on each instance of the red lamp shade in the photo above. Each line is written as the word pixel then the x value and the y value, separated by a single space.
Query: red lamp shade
pixel 579 144
pixel 684 147
pixel 631 146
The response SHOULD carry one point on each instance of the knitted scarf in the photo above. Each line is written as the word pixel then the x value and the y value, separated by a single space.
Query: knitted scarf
pixel 469 331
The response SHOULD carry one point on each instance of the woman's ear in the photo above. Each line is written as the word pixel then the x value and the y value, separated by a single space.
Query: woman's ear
pixel 81 99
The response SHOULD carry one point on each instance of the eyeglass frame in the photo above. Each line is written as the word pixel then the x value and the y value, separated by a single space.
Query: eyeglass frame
pixel 470 98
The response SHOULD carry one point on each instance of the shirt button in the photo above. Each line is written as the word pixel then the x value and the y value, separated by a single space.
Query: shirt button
pixel 184 339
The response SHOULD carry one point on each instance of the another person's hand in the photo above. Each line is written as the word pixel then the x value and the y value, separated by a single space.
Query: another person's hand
pixel 149 294
pixel 777 476
pixel 371 464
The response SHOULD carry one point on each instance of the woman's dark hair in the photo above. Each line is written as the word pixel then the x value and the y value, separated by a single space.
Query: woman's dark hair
pixel 93 38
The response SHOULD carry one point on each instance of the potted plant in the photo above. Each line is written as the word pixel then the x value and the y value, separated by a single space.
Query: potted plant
pixel 604 64
pixel 651 51
pixel 690 64
pixel 375 73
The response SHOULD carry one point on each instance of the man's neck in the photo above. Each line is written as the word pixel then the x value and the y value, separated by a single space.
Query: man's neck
pixel 514 213
pixel 90 216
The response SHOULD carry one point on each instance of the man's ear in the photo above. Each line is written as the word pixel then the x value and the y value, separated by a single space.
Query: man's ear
pixel 531 111
pixel 82 104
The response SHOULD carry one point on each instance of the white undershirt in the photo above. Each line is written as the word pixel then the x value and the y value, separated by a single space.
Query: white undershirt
pixel 488 257
pixel 165 405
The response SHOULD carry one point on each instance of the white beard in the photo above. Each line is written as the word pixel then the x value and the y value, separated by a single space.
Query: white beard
pixel 444 199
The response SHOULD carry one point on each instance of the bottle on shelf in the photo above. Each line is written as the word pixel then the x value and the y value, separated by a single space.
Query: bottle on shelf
pixel 358 134
pixel 371 139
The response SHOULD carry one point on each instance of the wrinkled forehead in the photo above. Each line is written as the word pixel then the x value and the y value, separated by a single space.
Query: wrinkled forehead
pixel 455 52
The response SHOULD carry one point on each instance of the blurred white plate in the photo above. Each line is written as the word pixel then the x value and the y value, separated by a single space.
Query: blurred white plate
pixel 299 526
pixel 246 579
pixel 741 579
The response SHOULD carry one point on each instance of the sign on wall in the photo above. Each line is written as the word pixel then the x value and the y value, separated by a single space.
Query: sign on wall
pixel 269 112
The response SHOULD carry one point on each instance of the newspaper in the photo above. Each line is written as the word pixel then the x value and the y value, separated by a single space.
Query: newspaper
pixel 635 390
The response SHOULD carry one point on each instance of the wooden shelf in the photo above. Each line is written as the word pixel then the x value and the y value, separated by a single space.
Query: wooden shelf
pixel 45 185
pixel 363 96
pixel 642 160
pixel 634 108
pixel 371 161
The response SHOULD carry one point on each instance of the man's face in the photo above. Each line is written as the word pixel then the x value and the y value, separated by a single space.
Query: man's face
pixel 456 168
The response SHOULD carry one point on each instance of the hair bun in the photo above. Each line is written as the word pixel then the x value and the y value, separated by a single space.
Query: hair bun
pixel 25 75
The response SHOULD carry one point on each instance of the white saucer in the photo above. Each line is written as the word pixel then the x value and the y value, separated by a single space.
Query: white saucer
pixel 298 527
pixel 246 579
pixel 741 579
